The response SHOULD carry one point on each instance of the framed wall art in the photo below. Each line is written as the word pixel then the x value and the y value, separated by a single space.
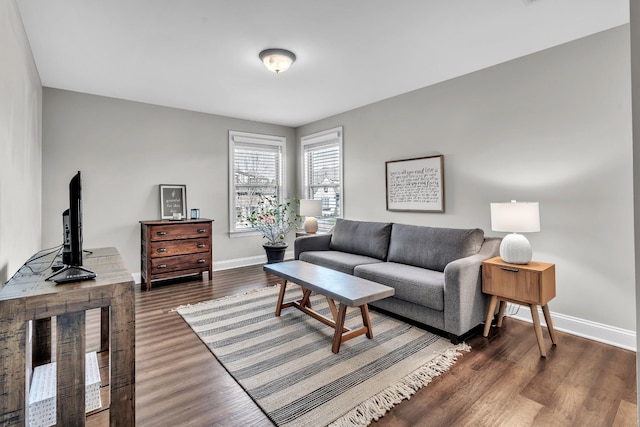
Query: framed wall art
pixel 415 184
pixel 173 201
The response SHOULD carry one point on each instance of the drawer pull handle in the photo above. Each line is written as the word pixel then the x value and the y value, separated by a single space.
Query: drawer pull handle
pixel 162 265
pixel 201 245
pixel 161 233
pixel 513 270
pixel 162 249
pixel 201 230
pixel 201 261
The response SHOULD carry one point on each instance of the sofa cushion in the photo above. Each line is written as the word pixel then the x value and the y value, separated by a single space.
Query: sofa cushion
pixel 414 284
pixel 432 247
pixel 336 260
pixel 370 239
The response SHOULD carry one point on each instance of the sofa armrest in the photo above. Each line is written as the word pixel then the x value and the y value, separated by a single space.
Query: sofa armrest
pixel 464 303
pixel 319 242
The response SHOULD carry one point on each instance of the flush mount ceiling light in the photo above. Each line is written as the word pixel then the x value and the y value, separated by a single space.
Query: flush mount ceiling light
pixel 277 60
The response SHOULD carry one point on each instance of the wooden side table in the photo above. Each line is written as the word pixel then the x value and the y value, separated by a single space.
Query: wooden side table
pixel 28 296
pixel 532 284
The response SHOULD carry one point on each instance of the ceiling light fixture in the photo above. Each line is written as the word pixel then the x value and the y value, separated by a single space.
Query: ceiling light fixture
pixel 277 60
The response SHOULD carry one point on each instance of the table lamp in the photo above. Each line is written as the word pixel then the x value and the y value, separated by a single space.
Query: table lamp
pixel 310 209
pixel 515 217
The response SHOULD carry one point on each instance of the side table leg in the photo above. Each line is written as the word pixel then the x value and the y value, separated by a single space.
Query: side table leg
pixel 537 329
pixel 70 369
pixel 503 306
pixel 492 309
pixel 123 358
pixel 13 336
pixel 547 318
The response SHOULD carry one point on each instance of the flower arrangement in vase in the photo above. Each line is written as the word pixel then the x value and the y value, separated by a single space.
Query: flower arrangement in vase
pixel 273 219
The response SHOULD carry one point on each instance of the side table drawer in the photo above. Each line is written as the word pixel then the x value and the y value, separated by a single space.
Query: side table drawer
pixel 512 283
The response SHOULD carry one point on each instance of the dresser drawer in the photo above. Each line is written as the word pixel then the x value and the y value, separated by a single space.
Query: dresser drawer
pixel 179 247
pixel 178 231
pixel 180 262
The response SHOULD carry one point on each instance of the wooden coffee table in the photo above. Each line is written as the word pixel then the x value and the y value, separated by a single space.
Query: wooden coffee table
pixel 349 291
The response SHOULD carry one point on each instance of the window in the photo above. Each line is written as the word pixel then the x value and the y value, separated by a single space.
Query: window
pixel 256 169
pixel 322 173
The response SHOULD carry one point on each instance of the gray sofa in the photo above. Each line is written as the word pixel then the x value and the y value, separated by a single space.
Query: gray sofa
pixel 435 271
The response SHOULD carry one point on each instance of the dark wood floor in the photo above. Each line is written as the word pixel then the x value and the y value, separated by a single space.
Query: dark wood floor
pixel 501 382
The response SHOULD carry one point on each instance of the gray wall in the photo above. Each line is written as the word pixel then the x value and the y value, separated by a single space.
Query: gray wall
pixel 20 145
pixel 124 150
pixel 553 127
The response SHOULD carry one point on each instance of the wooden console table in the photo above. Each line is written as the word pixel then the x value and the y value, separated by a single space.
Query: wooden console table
pixel 28 296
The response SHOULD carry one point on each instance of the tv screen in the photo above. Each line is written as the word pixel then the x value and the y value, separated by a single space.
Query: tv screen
pixel 72 233
pixel 75 220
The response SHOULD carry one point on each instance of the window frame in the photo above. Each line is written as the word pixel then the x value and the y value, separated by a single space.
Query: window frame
pixel 327 136
pixel 270 141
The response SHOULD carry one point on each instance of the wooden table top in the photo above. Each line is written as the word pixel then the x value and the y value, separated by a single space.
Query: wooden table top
pixel 30 281
pixel 344 288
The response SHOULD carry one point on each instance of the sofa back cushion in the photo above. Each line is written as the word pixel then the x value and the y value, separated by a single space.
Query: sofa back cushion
pixel 362 238
pixel 431 247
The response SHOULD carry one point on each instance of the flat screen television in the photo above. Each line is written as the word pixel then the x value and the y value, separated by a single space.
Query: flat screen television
pixel 72 234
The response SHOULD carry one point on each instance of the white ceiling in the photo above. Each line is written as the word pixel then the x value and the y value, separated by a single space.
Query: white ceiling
pixel 202 55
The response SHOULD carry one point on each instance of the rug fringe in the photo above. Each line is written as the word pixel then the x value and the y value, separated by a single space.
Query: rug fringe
pixel 374 408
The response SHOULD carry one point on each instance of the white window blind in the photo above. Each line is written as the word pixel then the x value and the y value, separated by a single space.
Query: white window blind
pixel 322 173
pixel 255 165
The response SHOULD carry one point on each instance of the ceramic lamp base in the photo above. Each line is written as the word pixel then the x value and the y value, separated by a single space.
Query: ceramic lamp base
pixel 515 249
pixel 311 225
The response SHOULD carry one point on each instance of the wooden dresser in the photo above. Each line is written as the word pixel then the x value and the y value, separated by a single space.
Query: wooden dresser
pixel 170 249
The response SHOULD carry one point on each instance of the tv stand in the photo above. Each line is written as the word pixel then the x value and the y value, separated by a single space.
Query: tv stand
pixel 71 273
pixel 28 297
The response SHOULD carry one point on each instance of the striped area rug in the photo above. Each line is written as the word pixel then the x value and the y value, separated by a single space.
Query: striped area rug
pixel 286 365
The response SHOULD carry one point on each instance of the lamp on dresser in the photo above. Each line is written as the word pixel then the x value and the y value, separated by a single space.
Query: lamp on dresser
pixel 310 209
pixel 515 217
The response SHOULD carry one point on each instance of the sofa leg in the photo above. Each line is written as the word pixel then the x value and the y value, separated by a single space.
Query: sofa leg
pixel 455 340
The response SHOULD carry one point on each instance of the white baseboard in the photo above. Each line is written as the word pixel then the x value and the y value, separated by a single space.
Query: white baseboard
pixel 244 262
pixel 595 331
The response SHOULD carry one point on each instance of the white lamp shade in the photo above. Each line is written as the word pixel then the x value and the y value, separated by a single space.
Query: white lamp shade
pixel 310 207
pixel 515 217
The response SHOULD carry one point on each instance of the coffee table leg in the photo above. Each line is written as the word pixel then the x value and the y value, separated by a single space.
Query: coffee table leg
pixel 306 295
pixel 332 307
pixel 366 320
pixel 283 288
pixel 337 336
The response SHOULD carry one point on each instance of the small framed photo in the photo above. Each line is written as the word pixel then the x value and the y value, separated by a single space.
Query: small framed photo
pixel 173 201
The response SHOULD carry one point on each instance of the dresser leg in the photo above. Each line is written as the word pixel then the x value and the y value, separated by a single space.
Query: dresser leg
pixel 547 318
pixel 537 329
